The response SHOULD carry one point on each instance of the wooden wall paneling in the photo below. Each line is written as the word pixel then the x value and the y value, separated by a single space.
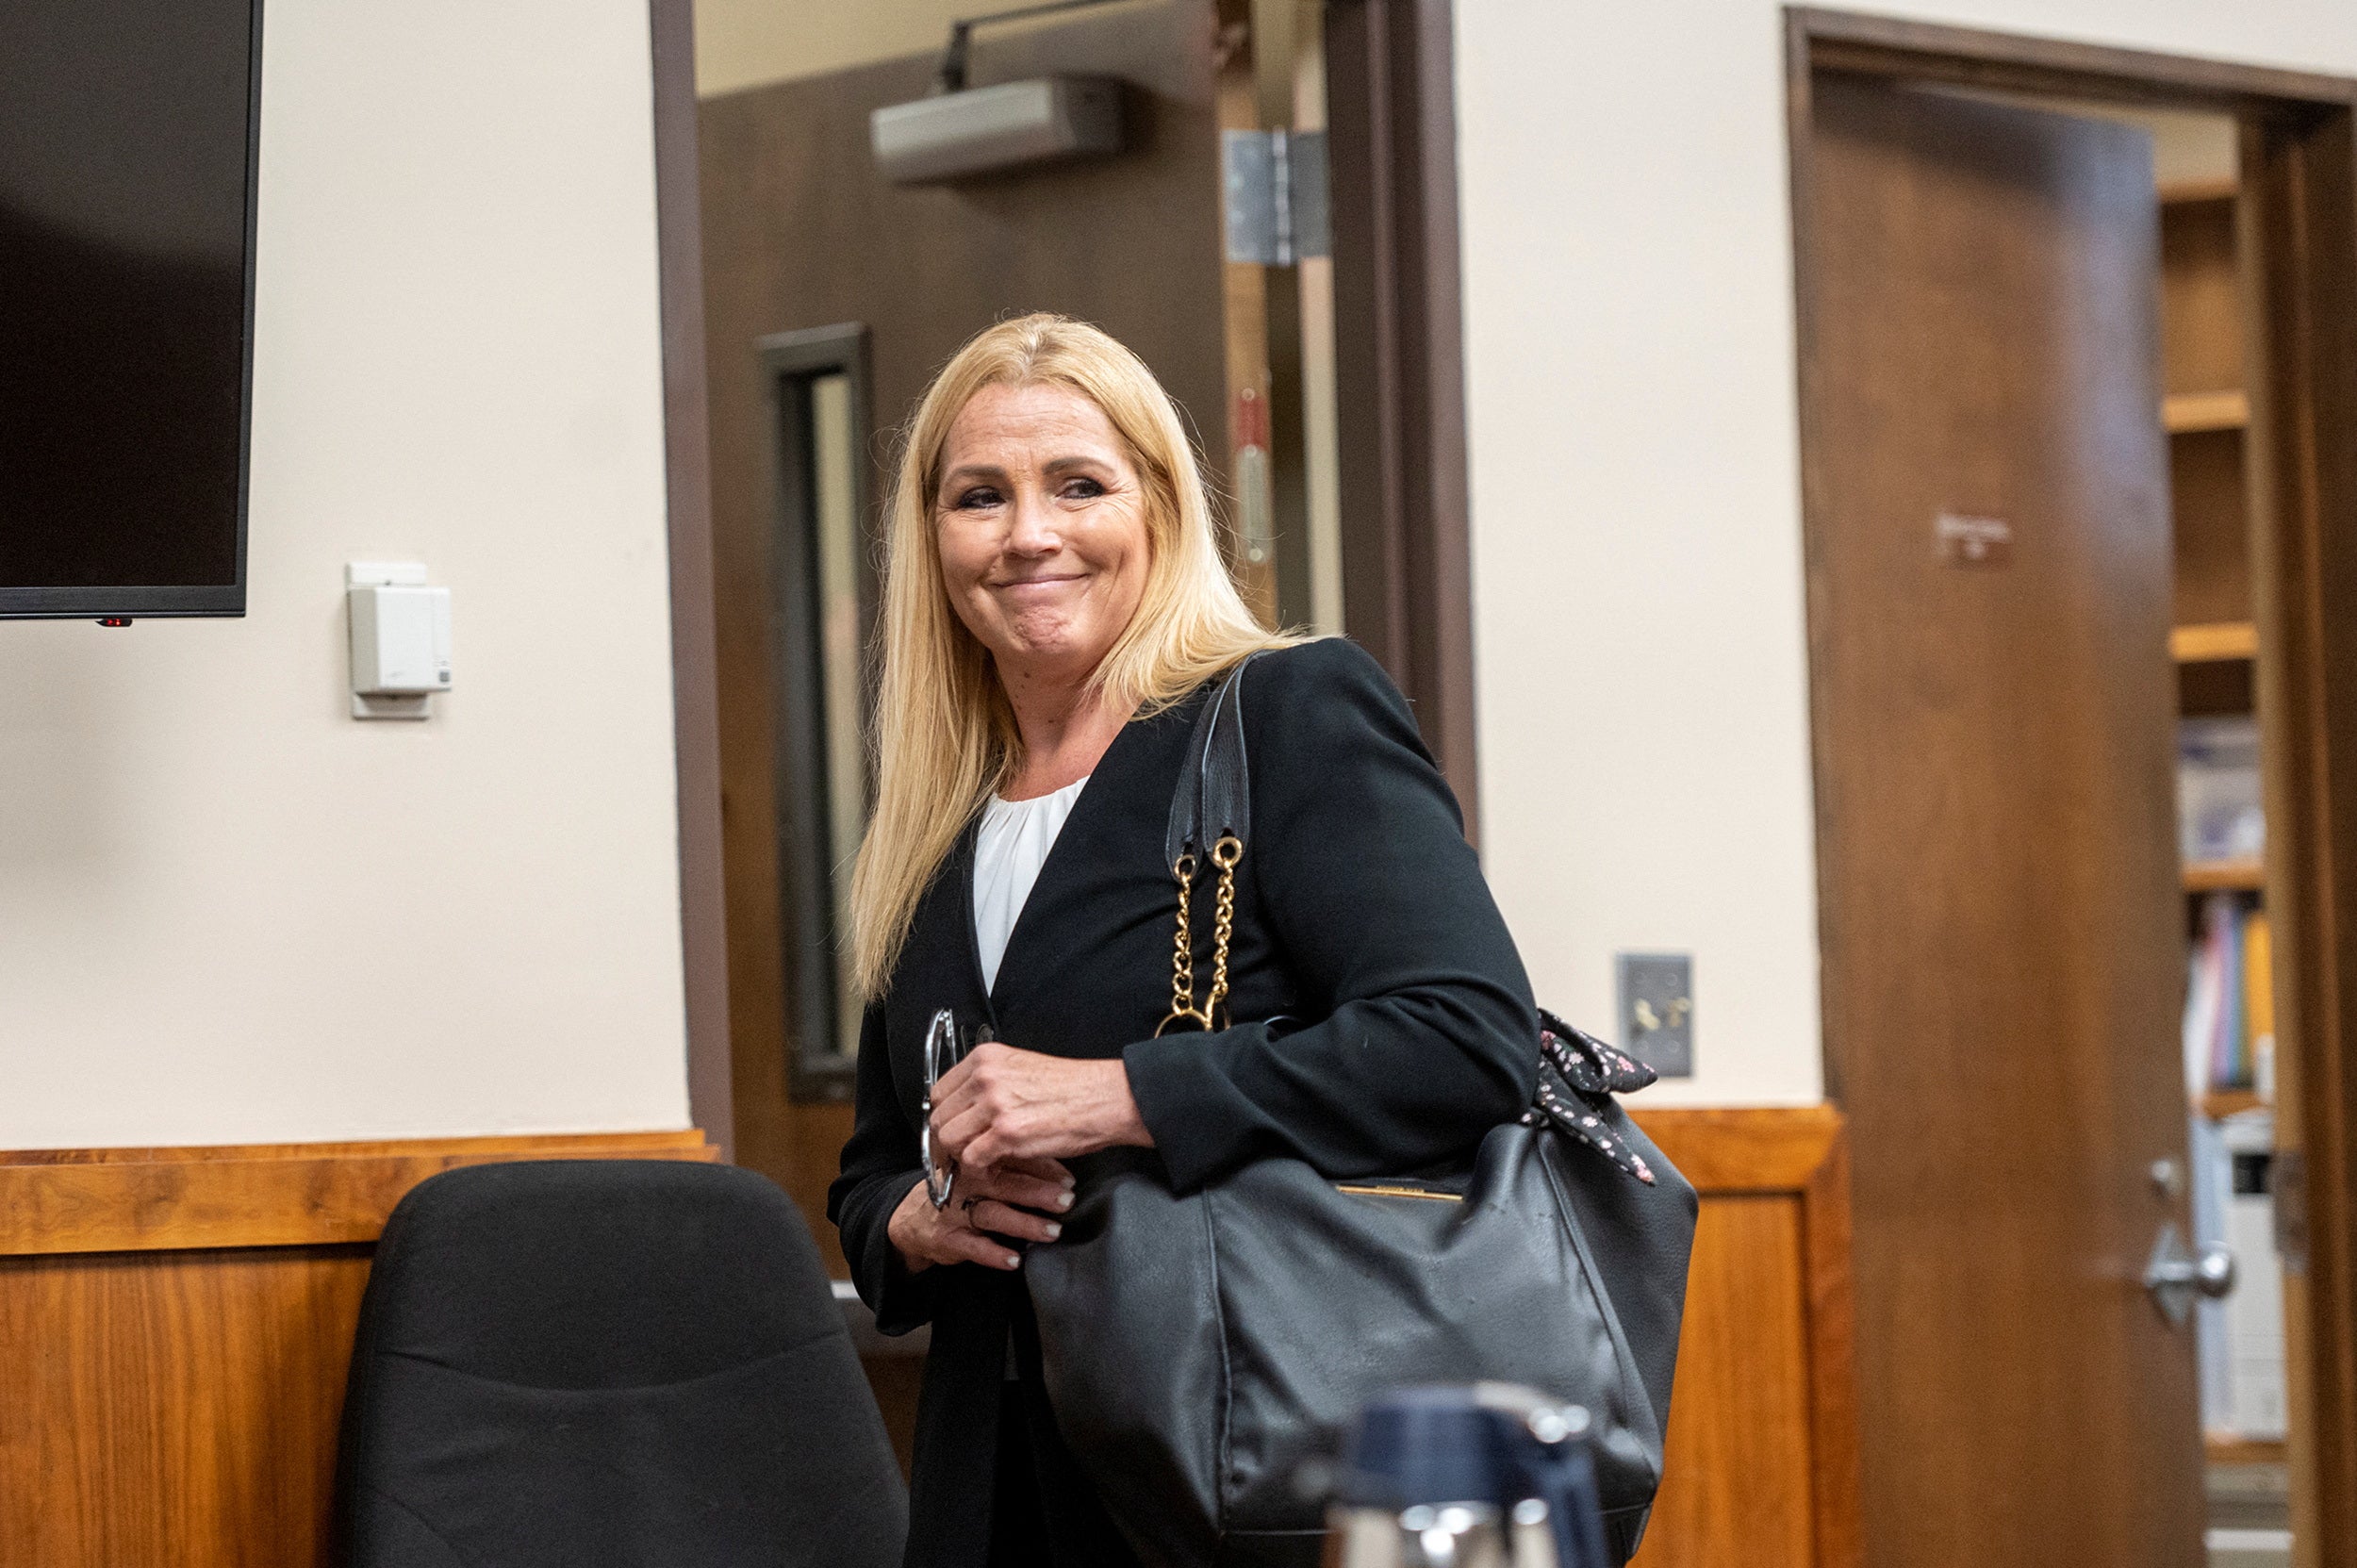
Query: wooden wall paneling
pixel 896 1381
pixel 687 479
pixel 180 1403
pixel 174 1407
pixel 1762 1463
pixel 1834 1480
pixel 1743 1407
pixel 274 1194
pixel 175 1325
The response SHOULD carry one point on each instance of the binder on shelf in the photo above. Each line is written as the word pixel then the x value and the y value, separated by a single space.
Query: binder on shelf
pixel 2258 955
pixel 2230 1006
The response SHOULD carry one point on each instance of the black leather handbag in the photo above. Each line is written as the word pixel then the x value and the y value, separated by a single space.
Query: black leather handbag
pixel 1199 1348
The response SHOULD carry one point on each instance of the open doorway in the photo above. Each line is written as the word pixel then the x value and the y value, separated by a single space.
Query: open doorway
pixel 1270 223
pixel 2069 507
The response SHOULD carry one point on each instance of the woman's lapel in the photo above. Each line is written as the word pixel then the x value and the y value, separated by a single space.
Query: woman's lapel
pixel 938 967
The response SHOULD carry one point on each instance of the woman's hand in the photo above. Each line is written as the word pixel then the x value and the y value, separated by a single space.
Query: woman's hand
pixel 989 1202
pixel 1003 1105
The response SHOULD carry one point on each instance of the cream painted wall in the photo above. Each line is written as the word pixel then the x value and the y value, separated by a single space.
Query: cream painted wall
pixel 1637 565
pixel 230 913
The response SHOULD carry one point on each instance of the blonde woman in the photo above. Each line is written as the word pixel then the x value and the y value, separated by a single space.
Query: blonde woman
pixel 1055 603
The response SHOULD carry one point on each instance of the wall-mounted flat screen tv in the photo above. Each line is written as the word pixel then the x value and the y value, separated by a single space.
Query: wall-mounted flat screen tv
pixel 126 304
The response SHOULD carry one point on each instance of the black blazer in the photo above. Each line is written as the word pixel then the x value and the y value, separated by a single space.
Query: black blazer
pixel 1361 919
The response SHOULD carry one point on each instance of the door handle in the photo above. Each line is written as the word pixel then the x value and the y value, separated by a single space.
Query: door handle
pixel 2172 1274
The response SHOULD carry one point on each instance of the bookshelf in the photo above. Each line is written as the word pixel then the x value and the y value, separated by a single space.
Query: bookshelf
pixel 2231 1448
pixel 2204 406
pixel 2177 191
pixel 2219 1104
pixel 2206 410
pixel 2186 413
pixel 2214 642
pixel 2225 876
pixel 2217 643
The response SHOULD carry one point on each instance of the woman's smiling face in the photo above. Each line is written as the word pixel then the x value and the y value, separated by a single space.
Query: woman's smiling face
pixel 1040 519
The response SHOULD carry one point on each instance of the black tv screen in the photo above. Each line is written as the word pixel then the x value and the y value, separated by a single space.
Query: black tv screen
pixel 128 153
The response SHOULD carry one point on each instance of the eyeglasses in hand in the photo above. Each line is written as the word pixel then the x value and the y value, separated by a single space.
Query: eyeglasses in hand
pixel 943 1052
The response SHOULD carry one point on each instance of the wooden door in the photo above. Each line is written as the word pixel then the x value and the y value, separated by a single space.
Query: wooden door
pixel 1989 582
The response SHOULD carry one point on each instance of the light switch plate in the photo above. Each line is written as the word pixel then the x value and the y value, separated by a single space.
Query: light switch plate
pixel 1658 1011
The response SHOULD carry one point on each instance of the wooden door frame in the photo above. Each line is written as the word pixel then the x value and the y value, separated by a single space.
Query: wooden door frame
pixel 695 650
pixel 1399 335
pixel 2298 225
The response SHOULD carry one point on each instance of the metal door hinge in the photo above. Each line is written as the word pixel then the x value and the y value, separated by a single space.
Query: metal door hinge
pixel 2288 1189
pixel 1276 196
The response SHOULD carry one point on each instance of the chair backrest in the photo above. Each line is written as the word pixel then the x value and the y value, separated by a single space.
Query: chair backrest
pixel 613 1362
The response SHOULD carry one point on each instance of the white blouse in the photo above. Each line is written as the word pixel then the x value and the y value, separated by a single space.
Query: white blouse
pixel 1013 846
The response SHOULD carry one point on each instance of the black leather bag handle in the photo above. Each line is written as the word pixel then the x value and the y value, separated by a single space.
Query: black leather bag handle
pixel 1214 799
pixel 1211 817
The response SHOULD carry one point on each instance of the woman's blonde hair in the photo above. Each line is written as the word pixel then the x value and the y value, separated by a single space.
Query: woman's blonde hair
pixel 944 736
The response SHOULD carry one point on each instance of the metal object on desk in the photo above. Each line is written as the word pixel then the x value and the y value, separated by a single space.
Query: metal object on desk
pixel 1459 1535
pixel 1483 1475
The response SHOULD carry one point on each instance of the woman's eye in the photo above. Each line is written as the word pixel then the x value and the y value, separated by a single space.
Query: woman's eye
pixel 979 496
pixel 1082 489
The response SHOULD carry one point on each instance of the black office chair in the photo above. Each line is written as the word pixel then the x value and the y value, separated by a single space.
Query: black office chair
pixel 608 1362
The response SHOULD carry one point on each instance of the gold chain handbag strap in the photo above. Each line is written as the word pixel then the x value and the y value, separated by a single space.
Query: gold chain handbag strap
pixel 1211 805
pixel 1224 854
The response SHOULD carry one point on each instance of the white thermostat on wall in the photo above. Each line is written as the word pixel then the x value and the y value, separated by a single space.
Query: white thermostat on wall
pixel 400 638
